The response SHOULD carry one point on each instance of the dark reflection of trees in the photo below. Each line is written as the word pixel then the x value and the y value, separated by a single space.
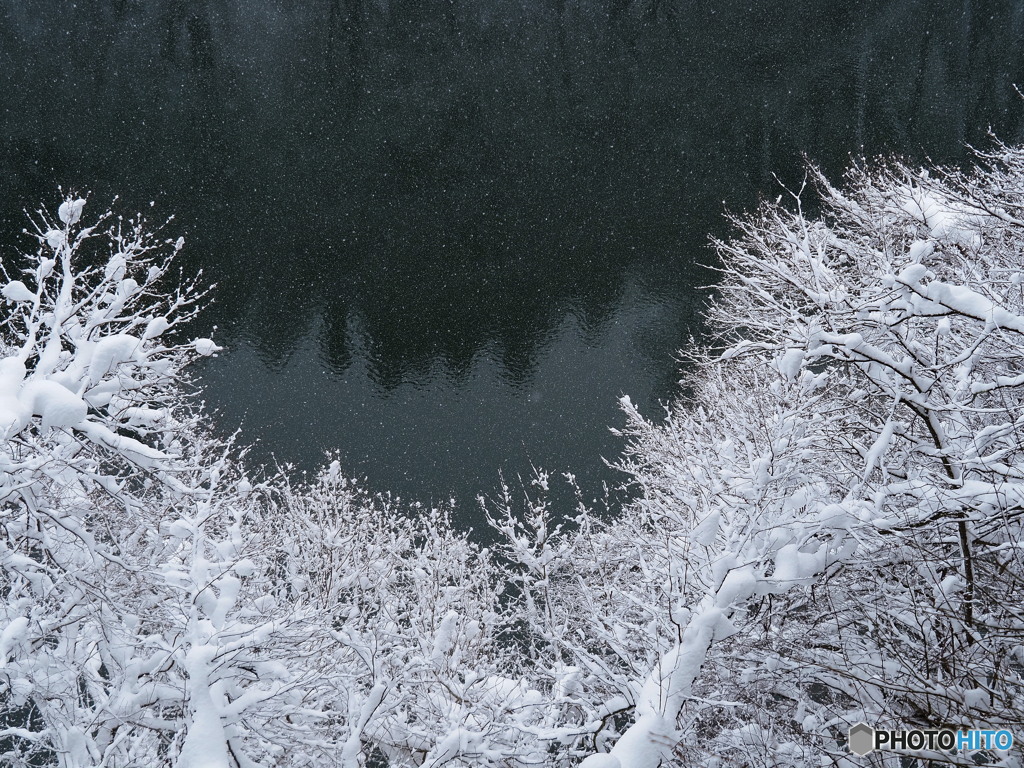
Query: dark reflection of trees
pixel 450 175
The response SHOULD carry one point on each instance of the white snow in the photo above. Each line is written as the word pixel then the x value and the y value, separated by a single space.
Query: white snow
pixel 115 267
pixel 793 566
pixel 11 635
pixel 56 405
pixel 444 638
pixel 972 304
pixel 205 740
pixel 70 211
pixel 912 274
pixel 920 249
pixel 206 347
pixel 604 760
pixel 17 291
pixel 14 414
pixel 110 352
pixel 155 327
pixel 54 238
pixel 790 361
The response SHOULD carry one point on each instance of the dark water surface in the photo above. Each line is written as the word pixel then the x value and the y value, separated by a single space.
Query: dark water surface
pixel 448 235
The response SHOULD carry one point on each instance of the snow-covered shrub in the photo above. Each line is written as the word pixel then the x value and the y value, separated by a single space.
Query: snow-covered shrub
pixel 90 454
pixel 158 607
pixel 417 623
pixel 648 617
pixel 830 531
pixel 907 297
pixel 136 629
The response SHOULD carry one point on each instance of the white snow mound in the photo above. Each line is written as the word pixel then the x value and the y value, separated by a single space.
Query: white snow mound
pixel 70 211
pixel 57 406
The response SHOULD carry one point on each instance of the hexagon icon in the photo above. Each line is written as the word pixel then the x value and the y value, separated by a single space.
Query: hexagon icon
pixel 861 739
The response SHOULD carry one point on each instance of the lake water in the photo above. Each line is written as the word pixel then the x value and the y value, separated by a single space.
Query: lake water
pixel 448 236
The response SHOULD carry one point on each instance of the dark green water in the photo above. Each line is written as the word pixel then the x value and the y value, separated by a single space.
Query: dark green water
pixel 449 235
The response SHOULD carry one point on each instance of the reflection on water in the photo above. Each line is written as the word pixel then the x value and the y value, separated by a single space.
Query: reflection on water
pixel 462 423
pixel 448 235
